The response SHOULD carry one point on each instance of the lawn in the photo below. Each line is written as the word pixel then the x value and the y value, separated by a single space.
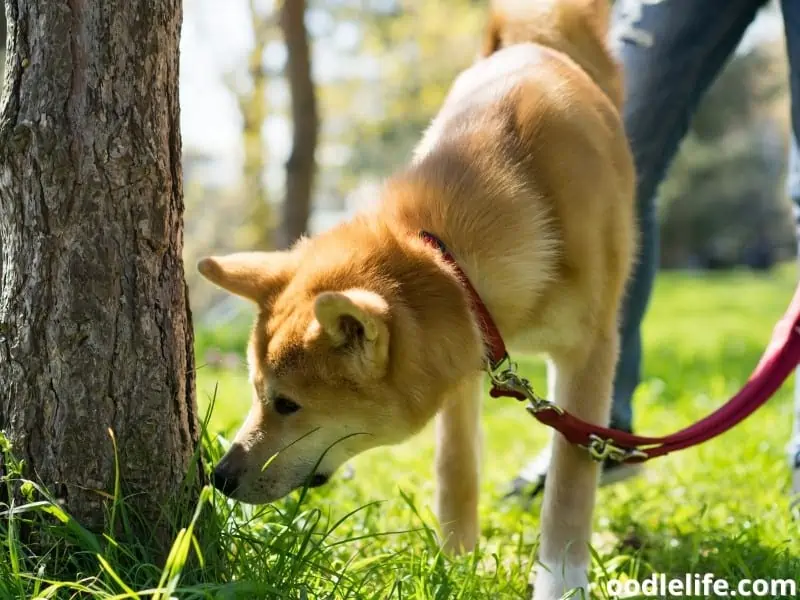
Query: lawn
pixel 722 508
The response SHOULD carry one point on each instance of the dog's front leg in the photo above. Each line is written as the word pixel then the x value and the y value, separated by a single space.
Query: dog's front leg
pixel 582 386
pixel 458 446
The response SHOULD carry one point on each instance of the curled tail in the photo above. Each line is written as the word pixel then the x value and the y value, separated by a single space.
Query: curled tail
pixel 578 28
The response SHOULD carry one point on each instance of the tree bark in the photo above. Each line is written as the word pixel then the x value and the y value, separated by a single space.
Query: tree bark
pixel 95 327
pixel 301 166
pixel 2 45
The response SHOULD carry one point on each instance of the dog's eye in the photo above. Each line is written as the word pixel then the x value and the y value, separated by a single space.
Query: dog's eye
pixel 285 406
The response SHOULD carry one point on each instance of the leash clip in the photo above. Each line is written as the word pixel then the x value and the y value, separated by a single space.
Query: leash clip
pixel 602 449
pixel 503 375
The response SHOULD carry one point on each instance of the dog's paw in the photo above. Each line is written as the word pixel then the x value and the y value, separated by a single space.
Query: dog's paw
pixel 455 541
pixel 556 580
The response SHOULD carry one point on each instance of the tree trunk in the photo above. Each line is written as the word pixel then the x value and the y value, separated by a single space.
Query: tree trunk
pixel 301 165
pixel 2 45
pixel 95 327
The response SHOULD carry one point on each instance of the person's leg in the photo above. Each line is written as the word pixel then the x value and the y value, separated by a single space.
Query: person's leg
pixel 671 51
pixel 791 20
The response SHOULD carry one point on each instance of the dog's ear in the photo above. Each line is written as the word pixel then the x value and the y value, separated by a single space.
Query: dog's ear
pixel 358 321
pixel 257 276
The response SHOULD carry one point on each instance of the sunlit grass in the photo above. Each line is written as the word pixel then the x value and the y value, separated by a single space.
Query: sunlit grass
pixel 721 508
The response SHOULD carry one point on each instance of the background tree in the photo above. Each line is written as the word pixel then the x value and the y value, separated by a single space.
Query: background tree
pixel 417 66
pixel 95 329
pixel 724 202
pixel 301 165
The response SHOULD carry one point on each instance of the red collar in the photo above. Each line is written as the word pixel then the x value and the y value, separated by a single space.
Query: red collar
pixel 602 443
pixel 494 345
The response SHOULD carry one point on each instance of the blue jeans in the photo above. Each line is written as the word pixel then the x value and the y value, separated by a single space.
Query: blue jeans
pixel 671 52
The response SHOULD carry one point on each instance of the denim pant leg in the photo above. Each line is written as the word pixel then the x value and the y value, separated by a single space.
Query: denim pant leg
pixel 671 51
pixel 791 20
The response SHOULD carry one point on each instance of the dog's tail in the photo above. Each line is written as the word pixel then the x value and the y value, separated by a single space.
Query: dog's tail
pixel 578 28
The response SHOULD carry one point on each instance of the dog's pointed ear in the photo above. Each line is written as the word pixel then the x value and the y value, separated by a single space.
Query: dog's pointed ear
pixel 257 276
pixel 358 320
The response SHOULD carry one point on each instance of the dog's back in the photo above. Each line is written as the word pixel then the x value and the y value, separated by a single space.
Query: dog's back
pixel 529 151
pixel 578 28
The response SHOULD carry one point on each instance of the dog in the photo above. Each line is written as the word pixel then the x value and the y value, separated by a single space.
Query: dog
pixel 365 332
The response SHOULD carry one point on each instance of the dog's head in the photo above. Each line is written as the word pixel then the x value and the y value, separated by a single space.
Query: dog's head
pixel 336 361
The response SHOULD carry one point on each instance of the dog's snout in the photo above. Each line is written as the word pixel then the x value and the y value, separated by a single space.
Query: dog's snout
pixel 225 482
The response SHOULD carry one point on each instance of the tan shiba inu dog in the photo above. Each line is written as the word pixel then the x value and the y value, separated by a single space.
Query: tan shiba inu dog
pixel 365 333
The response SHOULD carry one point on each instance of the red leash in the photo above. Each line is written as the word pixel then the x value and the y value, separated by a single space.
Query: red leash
pixel 778 362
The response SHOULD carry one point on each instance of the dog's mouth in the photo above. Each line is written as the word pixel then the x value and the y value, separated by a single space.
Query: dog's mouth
pixel 318 479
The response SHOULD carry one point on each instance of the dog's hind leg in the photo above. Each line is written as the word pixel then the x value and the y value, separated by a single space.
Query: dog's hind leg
pixel 583 381
pixel 458 447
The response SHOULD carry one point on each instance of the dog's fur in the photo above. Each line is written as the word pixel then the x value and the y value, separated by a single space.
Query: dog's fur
pixel 526 175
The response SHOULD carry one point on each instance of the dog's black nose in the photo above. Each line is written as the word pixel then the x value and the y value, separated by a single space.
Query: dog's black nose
pixel 224 482
pixel 318 479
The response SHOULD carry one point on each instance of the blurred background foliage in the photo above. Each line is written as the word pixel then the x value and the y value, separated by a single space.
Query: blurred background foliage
pixel 725 203
pixel 379 69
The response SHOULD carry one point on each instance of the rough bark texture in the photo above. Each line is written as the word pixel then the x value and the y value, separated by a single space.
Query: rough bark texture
pixel 2 44
pixel 95 329
pixel 301 166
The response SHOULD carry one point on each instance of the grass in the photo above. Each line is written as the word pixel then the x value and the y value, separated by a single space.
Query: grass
pixel 721 508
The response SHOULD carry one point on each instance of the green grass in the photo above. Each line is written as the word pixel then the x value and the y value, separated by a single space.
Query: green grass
pixel 721 508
